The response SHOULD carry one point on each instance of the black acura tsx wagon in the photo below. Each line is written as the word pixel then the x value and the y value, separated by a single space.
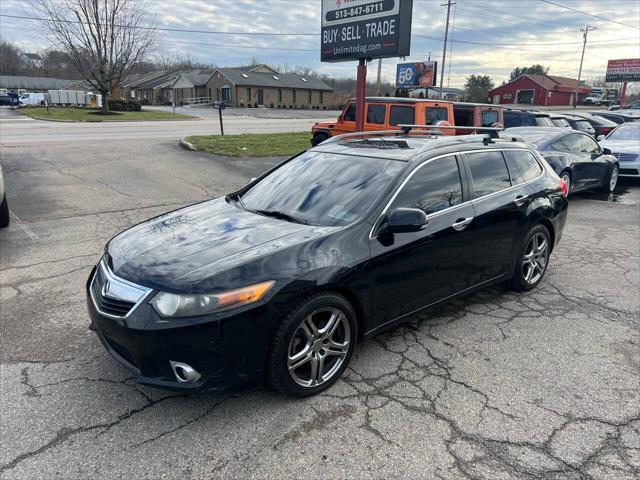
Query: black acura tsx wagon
pixel 275 283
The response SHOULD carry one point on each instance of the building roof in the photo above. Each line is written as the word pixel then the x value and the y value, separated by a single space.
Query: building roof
pixel 241 76
pixel 34 83
pixel 551 82
pixel 198 79
pixel 32 56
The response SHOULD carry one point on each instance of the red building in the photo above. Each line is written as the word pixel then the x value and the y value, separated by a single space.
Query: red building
pixel 538 90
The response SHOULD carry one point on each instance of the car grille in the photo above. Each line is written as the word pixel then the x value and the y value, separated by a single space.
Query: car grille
pixel 112 295
pixel 626 157
pixel 629 171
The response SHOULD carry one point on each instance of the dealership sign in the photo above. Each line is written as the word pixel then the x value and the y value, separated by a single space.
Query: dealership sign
pixel 417 74
pixel 623 70
pixel 355 29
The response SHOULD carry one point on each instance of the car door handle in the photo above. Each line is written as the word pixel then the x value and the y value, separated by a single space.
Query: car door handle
pixel 461 223
pixel 519 200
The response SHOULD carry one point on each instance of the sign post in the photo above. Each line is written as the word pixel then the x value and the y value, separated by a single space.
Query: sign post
pixel 363 30
pixel 219 105
pixel 625 70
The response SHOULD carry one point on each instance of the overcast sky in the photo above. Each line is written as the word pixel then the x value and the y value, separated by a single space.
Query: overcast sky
pixel 525 31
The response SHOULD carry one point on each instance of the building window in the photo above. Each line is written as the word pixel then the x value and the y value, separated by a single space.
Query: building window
pixel 294 96
pixel 226 93
pixel 321 98
pixel 279 95
pixel 309 96
pixel 248 93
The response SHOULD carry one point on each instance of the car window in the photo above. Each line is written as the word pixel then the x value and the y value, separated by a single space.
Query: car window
pixel 583 126
pixel 625 132
pixel 433 187
pixel 522 166
pixel 562 144
pixel 543 121
pixel 434 115
pixel 350 113
pixel 488 172
pixel 588 145
pixel 512 119
pixel 489 117
pixel 376 113
pixel 308 188
pixel 401 114
pixel 560 122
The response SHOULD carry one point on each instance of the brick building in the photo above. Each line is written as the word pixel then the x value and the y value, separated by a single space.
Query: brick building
pixel 532 89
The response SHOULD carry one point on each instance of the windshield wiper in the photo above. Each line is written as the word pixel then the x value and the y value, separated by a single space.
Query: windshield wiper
pixel 282 215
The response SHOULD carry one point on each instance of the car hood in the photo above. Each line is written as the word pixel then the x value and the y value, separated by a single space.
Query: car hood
pixel 176 251
pixel 621 146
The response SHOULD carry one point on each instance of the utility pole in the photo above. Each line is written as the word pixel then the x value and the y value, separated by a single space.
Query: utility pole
pixel 585 31
pixel 444 49
pixel 378 84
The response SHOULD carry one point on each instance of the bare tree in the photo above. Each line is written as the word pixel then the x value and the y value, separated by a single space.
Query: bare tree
pixel 10 63
pixel 103 39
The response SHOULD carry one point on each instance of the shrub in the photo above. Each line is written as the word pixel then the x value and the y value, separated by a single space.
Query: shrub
pixel 124 105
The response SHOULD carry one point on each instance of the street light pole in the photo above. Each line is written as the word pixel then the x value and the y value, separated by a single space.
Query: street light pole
pixel 585 31
pixel 444 49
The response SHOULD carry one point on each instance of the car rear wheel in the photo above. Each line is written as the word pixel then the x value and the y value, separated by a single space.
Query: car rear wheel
pixel 4 212
pixel 612 180
pixel 312 346
pixel 532 260
pixel 318 138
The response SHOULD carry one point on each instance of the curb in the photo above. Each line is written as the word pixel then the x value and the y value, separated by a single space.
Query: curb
pixel 186 145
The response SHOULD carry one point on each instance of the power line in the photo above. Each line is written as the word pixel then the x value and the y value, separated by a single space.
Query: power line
pixel 589 14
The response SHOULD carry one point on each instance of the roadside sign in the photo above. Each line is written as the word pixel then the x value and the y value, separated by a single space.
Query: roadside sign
pixel 627 70
pixel 417 74
pixel 365 29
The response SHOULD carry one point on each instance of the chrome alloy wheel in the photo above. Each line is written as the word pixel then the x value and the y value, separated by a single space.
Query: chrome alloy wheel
pixel 613 181
pixel 319 347
pixel 535 258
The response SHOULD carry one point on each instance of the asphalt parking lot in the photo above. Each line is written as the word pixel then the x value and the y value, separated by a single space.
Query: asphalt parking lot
pixel 497 385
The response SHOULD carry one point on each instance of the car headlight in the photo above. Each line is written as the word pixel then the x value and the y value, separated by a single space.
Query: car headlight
pixel 187 305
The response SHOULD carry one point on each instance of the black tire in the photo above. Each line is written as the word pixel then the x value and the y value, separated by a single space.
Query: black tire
pixel 318 138
pixel 566 176
pixel 609 184
pixel 4 212
pixel 277 375
pixel 519 279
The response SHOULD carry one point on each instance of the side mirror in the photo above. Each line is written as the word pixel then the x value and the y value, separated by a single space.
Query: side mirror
pixel 600 137
pixel 339 118
pixel 405 220
pixel 606 151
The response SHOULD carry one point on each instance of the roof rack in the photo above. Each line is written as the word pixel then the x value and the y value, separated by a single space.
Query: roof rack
pixel 491 131
pixel 354 135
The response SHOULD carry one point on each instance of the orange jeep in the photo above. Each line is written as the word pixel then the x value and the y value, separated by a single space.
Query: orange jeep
pixel 386 113
pixel 476 115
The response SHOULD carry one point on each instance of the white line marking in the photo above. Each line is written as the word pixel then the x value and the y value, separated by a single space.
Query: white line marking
pixel 28 232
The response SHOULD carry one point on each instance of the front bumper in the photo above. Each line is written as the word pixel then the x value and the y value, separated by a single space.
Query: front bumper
pixel 227 349
pixel 629 169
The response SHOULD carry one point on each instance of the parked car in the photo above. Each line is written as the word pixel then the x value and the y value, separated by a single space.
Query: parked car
pixel 601 125
pixel 476 115
pixel 386 113
pixel 578 123
pixel 575 156
pixel 559 120
pixel 620 116
pixel 32 99
pixel 514 117
pixel 4 205
pixel 633 105
pixel 277 281
pixel 8 100
pixel 624 143
pixel 596 100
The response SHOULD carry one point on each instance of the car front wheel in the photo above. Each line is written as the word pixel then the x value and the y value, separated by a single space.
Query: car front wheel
pixel 611 181
pixel 312 346
pixel 4 212
pixel 532 260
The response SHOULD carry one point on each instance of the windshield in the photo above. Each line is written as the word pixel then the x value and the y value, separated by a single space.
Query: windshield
pixel 584 126
pixel 560 122
pixel 625 132
pixel 323 188
pixel 544 121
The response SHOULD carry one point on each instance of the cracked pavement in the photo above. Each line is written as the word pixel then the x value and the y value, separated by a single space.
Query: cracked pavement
pixel 496 385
